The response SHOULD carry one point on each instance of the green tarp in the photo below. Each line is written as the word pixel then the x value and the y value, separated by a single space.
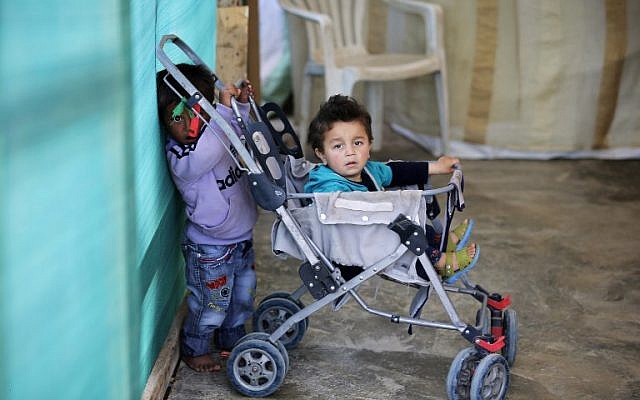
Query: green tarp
pixel 91 274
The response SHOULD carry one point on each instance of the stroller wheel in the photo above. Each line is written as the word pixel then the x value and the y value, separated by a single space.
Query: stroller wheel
pixel 510 326
pixel 256 368
pixel 273 312
pixel 265 336
pixel 285 295
pixel 491 379
pixel 461 372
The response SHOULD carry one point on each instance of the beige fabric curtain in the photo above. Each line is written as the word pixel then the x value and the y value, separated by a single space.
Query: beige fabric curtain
pixel 528 78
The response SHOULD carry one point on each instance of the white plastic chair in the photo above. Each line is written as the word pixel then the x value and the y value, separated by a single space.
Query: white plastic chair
pixel 336 34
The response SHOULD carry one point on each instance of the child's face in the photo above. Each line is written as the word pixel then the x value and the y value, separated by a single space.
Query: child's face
pixel 178 126
pixel 345 149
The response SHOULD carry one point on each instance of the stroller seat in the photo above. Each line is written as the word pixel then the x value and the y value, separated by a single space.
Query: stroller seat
pixel 351 228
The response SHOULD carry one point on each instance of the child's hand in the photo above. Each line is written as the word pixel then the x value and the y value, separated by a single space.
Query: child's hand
pixel 444 165
pixel 246 90
pixel 228 92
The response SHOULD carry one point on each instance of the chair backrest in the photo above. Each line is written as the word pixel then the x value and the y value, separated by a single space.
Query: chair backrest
pixel 349 22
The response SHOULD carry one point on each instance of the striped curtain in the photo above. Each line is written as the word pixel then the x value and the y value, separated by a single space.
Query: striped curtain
pixel 531 78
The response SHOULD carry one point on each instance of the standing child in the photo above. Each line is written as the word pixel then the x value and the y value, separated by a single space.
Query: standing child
pixel 220 214
pixel 340 135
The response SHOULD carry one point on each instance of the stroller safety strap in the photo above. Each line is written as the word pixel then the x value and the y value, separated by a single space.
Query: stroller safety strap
pixel 365 208
pixel 357 205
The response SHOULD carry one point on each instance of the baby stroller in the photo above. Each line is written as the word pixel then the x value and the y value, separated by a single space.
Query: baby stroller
pixel 311 227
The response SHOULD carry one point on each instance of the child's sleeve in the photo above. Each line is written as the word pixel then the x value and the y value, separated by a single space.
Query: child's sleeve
pixel 227 114
pixel 406 173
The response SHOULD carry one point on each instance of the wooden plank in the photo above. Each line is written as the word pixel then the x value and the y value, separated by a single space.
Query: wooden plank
pixel 167 360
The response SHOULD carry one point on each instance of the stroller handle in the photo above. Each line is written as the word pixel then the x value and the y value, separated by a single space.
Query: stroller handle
pixel 171 67
pixel 164 59
pixel 197 97
pixel 175 72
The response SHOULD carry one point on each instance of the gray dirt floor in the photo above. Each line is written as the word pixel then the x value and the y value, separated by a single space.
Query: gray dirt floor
pixel 560 236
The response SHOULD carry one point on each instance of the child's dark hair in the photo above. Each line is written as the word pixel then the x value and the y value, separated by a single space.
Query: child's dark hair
pixel 337 108
pixel 198 75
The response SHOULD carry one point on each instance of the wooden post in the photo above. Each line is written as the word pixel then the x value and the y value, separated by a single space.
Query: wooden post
pixel 253 58
pixel 238 49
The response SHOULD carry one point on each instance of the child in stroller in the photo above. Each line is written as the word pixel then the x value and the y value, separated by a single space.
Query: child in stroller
pixel 316 232
pixel 340 135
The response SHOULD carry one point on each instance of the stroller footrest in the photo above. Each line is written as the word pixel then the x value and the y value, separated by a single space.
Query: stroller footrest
pixel 411 235
pixel 493 346
pixel 498 302
pixel 490 343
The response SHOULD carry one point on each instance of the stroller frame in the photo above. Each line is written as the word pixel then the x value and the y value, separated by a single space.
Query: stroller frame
pixel 474 370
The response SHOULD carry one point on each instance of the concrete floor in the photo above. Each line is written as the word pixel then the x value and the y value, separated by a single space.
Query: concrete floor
pixel 560 236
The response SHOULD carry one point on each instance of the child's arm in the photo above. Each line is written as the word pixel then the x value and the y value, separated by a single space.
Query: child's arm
pixel 246 90
pixel 241 94
pixel 407 173
pixel 444 165
pixel 229 91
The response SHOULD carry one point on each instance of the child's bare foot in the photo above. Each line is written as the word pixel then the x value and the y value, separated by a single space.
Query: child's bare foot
pixel 203 363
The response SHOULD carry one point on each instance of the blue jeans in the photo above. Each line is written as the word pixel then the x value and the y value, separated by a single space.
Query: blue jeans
pixel 221 281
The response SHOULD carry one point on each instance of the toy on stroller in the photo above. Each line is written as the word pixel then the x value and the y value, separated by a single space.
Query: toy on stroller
pixel 324 228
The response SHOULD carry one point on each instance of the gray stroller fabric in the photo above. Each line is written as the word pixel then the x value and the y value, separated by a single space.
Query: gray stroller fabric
pixel 296 171
pixel 351 228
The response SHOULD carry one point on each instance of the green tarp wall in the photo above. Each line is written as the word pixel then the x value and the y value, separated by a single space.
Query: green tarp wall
pixel 91 274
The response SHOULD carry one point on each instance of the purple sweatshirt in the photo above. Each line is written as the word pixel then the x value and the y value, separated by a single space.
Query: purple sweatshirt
pixel 219 206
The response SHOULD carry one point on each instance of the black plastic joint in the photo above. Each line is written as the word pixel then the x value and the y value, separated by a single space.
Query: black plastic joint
pixel 471 333
pixel 495 296
pixel 411 235
pixel 318 279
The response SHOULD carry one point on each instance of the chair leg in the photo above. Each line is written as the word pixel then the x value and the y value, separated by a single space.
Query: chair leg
pixel 305 108
pixel 375 104
pixel 443 110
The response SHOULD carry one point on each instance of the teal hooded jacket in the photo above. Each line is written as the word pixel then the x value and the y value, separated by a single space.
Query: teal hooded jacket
pixel 324 179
